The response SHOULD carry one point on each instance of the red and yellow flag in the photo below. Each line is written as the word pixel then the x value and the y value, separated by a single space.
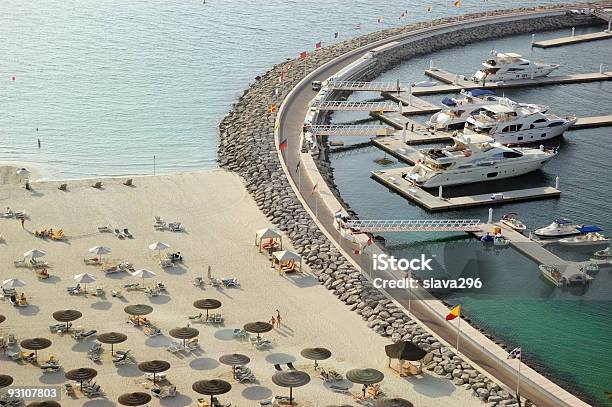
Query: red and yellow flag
pixel 454 313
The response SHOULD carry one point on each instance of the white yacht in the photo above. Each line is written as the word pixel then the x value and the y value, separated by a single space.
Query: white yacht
pixel 559 228
pixel 516 124
pixel 510 66
pixel 588 236
pixel 474 159
pixel 457 110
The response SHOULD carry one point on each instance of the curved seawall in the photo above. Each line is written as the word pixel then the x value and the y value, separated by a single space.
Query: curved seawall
pixel 281 183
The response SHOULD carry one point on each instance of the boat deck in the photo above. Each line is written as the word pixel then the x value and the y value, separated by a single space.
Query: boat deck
pixel 557 42
pixel 392 178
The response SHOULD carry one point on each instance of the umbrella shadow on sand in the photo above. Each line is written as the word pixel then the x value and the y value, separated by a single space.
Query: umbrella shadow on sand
pixel 256 393
pixel 160 299
pixel 302 280
pixel 102 305
pixel 203 364
pixel 51 280
pixel 130 370
pixel 280 358
pixel 430 386
pixel 99 403
pixel 82 346
pixel 178 400
pixel 28 311
pixel 52 378
pixel 157 341
pixel 225 334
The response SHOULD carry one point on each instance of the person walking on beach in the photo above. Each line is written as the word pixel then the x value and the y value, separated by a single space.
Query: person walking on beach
pixel 23 223
pixel 273 321
pixel 278 318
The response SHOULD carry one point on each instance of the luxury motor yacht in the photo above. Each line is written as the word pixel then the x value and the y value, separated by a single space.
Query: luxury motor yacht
pixel 457 110
pixel 588 236
pixel 560 227
pixel 517 124
pixel 510 66
pixel 474 159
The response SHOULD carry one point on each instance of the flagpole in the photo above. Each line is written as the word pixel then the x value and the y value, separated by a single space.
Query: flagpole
pixel 458 329
pixel 518 377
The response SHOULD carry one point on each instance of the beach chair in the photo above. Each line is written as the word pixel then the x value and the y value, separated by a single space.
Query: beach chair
pixel 217 319
pixel 105 229
pixel 195 317
pixel 7 292
pixel 13 355
pixel 176 226
pixel 97 185
pixel 57 235
pixel 63 187
pixel 93 261
pixel 20 263
pixel 127 233
pixel 166 263
pixel 230 282
pixel 43 274
pixel 192 344
pixel 8 213
pixel 76 290
pixel 240 333
pixel 290 366
pixel 132 286
pixel 198 282
pixel 21 215
pixel 151 331
pixel 159 223
pixel 129 182
pixel 215 282
pixel 338 389
pixel 278 368
pixel 80 335
pixel 122 357
pixel 163 392
pixel 174 347
pixel 50 368
pixel 119 234
pixel 68 389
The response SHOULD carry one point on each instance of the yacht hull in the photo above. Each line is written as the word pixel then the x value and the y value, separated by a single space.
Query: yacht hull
pixel 535 135
pixel 484 173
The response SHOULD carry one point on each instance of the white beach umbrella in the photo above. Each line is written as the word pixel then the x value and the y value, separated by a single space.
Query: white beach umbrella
pixel 13 283
pixel 84 278
pixel 99 250
pixel 159 246
pixel 143 273
pixel 23 172
pixel 34 253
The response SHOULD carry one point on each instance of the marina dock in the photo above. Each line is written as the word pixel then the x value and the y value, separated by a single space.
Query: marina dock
pixel 575 39
pixel 594 121
pixel 393 180
pixel 454 83
pixel 413 105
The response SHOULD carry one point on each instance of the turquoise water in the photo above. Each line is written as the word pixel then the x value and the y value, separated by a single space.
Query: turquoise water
pixel 565 333
pixel 110 84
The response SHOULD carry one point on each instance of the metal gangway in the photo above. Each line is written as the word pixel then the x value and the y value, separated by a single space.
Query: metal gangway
pixel 363 86
pixel 427 225
pixel 355 106
pixel 349 130
pixel 604 14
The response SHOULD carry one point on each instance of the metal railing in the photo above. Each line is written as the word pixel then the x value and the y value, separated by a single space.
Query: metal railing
pixel 426 225
pixel 363 86
pixel 349 130
pixel 356 106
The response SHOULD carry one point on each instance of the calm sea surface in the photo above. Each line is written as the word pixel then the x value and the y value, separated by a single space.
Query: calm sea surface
pixel 107 85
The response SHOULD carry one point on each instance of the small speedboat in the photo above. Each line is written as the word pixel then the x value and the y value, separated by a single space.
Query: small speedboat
pixel 425 84
pixel 605 253
pixel 552 274
pixel 591 237
pixel 488 238
pixel 559 228
pixel 512 222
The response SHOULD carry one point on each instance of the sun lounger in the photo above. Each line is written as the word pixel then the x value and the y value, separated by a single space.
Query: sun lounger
pixel 79 335
pixel 105 229
pixel 240 333
pixel 278 368
pixel 93 261
pixel 151 331
pixel 119 234
pixel 174 347
pixel 20 263
pixel 50 368
pixel 215 282
pixel 97 185
pixel 7 292
pixel 159 223
pixel 129 182
pixel 63 187
pixel 195 317
pixel 230 282
pixel 338 389
pixel 76 290
pixel 42 274
pixel 8 213
pixel 198 281
pixel 13 355
pixel 290 366
pixel 132 286
pixel 217 319
pixel 127 233
pixel 68 389
pixel 21 215
pixel 57 235
pixel 166 263
pixel 176 226
pixel 163 392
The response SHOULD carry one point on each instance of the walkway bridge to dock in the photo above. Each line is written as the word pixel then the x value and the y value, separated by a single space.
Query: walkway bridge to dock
pixel 427 225
pixel 349 130
pixel 356 106
pixel 603 14
pixel 364 86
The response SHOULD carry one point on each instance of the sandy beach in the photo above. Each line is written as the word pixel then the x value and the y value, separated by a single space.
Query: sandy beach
pixel 220 220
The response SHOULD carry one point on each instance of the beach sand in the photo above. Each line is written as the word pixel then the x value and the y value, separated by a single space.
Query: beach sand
pixel 220 220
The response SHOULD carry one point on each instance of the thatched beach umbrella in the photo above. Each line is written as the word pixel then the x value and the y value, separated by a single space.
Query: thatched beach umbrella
pixel 258 328
pixel 35 344
pixel 5 380
pixel 396 402
pixel 404 350
pixel 233 360
pixel 138 310
pixel 184 333
pixel 81 375
pixel 154 366
pixel 46 403
pixel 112 338
pixel 67 315
pixel 291 379
pixel 211 388
pixel 134 399
pixel 207 304
pixel 365 376
pixel 316 354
